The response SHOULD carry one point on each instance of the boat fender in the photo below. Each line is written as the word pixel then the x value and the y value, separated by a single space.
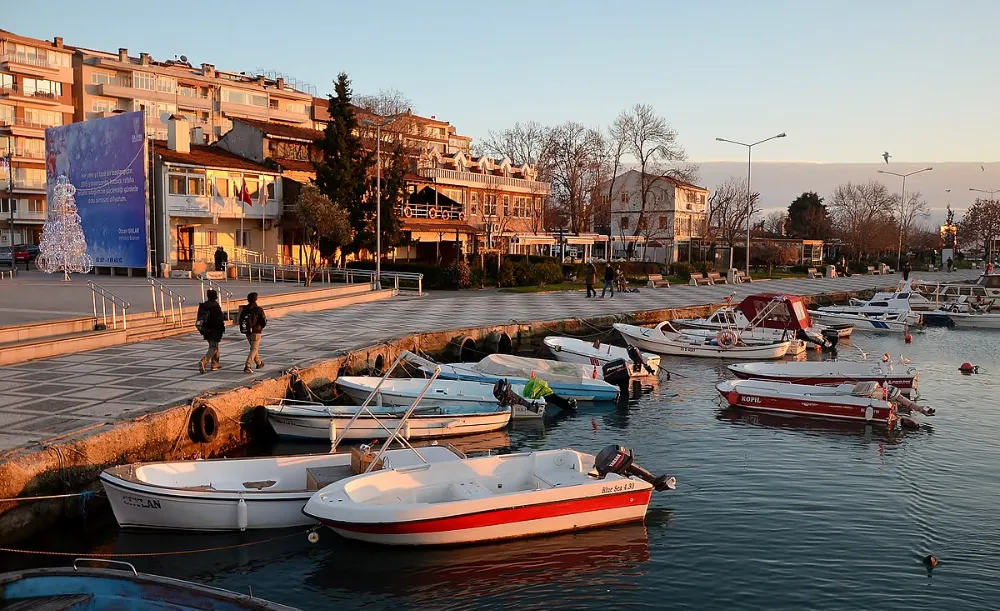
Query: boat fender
pixel 968 368
pixel 204 424
pixel 241 514
pixel 930 561
pixel 726 339
pixel 908 338
pixel 313 537
pixel 869 413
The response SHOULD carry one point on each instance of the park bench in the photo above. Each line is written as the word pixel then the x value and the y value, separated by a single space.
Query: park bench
pixel 742 277
pixel 717 278
pixel 656 281
pixel 812 272
pixel 700 280
pixel 872 271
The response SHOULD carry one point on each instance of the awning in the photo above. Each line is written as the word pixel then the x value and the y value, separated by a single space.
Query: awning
pixel 414 224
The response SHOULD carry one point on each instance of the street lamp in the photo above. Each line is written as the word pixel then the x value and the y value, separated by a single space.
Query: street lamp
pixel 990 191
pixel 749 203
pixel 378 188
pixel 902 205
pixel 8 162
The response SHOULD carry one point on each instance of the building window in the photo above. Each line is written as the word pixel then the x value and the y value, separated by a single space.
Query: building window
pixel 242 238
pixel 274 104
pixel 212 237
pixel 235 96
pixel 474 203
pixel 222 187
pixel 35 206
pixel 270 191
pixel 196 185
pixel 663 222
pixel 625 197
pixel 101 106
pixel 506 205
pixel 48 118
pixel 489 205
pixel 624 223
pixel 41 88
pixel 187 91
pixel 7 81
pixel 6 114
pixel 144 80
pixel 299 109
pixel 6 204
pixel 185 184
pixel 166 84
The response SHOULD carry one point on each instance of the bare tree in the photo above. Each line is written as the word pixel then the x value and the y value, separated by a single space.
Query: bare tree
pixel 325 227
pixel 401 132
pixel 652 143
pixel 862 212
pixel 774 223
pixel 522 143
pixel 573 171
pixel 907 214
pixel 980 224
pixel 727 213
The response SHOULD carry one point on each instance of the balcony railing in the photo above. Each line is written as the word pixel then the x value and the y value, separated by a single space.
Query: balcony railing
pixel 22 122
pixel 430 211
pixel 28 60
pixel 533 186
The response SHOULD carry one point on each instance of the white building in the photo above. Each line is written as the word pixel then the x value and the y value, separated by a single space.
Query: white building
pixel 666 230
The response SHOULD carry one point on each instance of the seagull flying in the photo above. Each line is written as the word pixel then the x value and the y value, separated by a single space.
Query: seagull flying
pixel 982 167
pixel 886 156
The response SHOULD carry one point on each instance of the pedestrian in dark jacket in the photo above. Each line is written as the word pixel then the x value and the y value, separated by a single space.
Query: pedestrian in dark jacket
pixel 252 323
pixel 906 271
pixel 591 279
pixel 212 327
pixel 609 281
pixel 221 259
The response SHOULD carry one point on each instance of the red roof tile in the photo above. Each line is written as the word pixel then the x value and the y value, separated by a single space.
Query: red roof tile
pixel 282 130
pixel 208 156
pixel 296 166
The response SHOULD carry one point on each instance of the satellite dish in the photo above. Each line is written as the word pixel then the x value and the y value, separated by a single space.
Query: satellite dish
pixel 184 58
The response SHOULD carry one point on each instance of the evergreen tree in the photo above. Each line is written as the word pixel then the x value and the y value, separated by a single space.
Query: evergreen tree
pixel 343 173
pixel 394 195
pixel 808 218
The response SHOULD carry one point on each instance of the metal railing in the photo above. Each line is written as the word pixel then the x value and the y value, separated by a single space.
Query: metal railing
pixel 22 122
pixel 168 298
pixel 108 298
pixel 29 60
pixel 225 295
pixel 541 188
pixel 273 272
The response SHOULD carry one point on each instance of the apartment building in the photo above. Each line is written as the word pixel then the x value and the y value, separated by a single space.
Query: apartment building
pixel 206 97
pixel 36 92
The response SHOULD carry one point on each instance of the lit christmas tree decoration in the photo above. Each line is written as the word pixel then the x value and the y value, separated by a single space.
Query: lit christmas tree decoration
pixel 63 247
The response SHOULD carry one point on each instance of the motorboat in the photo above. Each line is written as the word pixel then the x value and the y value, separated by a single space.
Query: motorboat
pixel 664 339
pixel 297 420
pixel 905 296
pixel 753 337
pixel 984 293
pixel 397 392
pixel 886 322
pixel 598 354
pixel 862 402
pixel 239 493
pixel 567 380
pixel 830 373
pixel 489 498
pixel 972 320
pixel 730 316
pixel 88 587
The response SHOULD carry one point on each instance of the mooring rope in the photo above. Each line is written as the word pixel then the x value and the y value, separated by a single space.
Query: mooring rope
pixel 86 494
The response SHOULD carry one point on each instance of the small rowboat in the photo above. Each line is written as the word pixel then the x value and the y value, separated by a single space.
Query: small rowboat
pixel 489 498
pixel 304 421
pixel 401 392
pixel 597 354
pixel 863 402
pixel 829 373
pixel 974 321
pixel 674 343
pixel 234 494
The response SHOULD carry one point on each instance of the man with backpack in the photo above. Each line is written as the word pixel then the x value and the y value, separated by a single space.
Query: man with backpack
pixel 252 323
pixel 212 325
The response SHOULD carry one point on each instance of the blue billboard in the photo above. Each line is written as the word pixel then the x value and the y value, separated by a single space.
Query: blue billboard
pixel 105 159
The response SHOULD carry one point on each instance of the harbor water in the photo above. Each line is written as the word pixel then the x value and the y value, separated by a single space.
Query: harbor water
pixel 770 513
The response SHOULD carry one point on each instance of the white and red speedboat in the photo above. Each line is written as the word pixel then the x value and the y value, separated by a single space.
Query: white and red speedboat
pixel 828 373
pixel 862 402
pixel 489 498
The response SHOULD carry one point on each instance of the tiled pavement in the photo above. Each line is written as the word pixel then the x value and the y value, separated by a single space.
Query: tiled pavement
pixel 43 399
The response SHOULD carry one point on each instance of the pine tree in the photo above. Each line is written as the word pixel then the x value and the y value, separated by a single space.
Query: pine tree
pixel 343 173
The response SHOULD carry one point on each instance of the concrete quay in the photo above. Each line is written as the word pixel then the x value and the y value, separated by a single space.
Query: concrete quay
pixel 66 418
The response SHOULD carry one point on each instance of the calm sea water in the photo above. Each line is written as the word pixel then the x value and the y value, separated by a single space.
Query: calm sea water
pixel 769 513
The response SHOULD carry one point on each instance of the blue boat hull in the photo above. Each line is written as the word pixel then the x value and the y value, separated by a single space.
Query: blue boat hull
pixel 580 392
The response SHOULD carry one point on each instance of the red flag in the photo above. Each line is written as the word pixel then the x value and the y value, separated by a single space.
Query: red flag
pixel 244 195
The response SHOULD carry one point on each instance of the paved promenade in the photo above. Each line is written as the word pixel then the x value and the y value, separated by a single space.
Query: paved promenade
pixel 54 397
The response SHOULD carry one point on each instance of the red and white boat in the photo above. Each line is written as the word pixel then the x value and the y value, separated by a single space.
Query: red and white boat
pixel 828 373
pixel 862 402
pixel 489 498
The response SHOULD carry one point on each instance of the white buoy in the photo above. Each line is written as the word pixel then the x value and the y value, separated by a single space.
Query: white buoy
pixel 869 413
pixel 313 537
pixel 241 514
pixel 333 431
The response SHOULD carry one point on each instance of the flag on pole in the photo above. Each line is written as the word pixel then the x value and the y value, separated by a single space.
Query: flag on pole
pixel 217 198
pixel 244 195
pixel 262 195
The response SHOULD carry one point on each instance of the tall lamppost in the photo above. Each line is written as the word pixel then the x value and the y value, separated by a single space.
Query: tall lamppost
pixel 378 188
pixel 7 161
pixel 902 208
pixel 749 202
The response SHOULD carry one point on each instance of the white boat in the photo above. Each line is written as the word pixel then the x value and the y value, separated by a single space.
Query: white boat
pixel 898 322
pixel 568 380
pixel 732 317
pixel 488 498
pixel 974 321
pixel 296 420
pixel 597 354
pixel 234 494
pixel 905 296
pixel 401 392
pixel 753 337
pixel 674 343
pixel 830 373
pixel 983 294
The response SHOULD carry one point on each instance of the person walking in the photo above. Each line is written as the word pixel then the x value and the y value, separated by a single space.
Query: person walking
pixel 609 281
pixel 950 264
pixel 906 271
pixel 252 323
pixel 221 259
pixel 591 279
pixel 212 325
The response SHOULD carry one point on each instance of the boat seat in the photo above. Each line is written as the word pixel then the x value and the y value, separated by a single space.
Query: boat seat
pixel 469 490
pixel 545 481
pixel 267 483
pixel 46 603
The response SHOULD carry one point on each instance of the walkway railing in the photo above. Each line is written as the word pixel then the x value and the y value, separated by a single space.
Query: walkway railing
pixel 272 272
pixel 168 298
pixel 225 295
pixel 107 298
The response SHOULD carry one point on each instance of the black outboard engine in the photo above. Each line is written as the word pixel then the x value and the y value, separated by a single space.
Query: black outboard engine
pixel 616 373
pixel 638 361
pixel 507 397
pixel 832 337
pixel 619 460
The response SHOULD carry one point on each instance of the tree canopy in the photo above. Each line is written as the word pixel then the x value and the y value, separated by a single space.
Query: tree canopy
pixel 808 218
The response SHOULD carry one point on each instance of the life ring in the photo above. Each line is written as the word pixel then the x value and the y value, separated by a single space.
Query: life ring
pixel 445 215
pixel 726 339
pixel 204 424
pixel 461 216
pixel 407 212
pixel 432 213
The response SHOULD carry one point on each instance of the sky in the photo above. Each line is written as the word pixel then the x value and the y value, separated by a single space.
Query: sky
pixel 846 80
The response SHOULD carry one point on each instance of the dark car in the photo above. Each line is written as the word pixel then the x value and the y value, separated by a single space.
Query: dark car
pixel 31 249
pixel 9 258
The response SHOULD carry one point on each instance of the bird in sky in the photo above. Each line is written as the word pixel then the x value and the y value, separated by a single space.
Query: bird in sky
pixel 982 167
pixel 886 156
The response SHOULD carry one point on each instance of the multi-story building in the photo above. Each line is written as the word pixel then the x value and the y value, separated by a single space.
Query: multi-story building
pixel 670 225
pixel 208 98
pixel 36 92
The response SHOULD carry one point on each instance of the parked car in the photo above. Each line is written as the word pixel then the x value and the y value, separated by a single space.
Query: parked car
pixel 31 249
pixel 9 257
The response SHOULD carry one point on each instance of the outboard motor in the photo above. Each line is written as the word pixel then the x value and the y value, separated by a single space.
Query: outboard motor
pixel 832 337
pixel 506 396
pixel 637 360
pixel 616 373
pixel 619 460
